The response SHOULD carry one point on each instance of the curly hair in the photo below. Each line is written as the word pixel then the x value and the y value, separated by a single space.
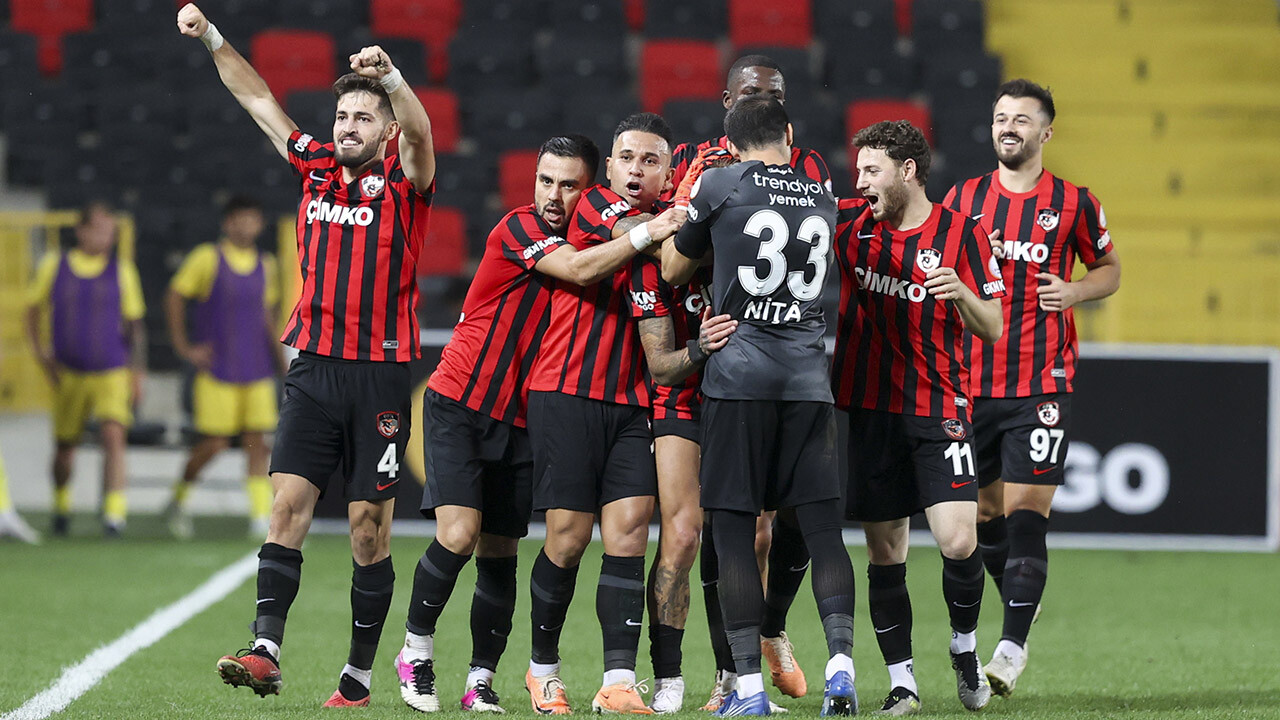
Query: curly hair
pixel 900 140
pixel 351 82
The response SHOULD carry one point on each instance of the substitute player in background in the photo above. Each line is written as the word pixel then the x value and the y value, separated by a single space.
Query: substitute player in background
pixel 96 358
pixel 236 355
pixel 589 424
pixel 1022 383
pixel 361 224
pixel 781 543
pixel 768 425
pixel 914 277
pixel 479 463
pixel 11 523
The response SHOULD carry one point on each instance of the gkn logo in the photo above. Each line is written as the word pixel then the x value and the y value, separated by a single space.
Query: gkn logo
pixel 326 211
pixel 1027 252
pixel 644 300
pixel 541 245
pixel 895 287
pixel 619 207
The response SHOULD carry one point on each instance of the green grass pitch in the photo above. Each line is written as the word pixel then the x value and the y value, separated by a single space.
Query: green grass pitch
pixel 1123 635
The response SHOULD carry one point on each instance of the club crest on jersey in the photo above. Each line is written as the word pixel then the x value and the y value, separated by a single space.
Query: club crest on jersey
pixel 1048 413
pixel 1047 219
pixel 928 259
pixel 953 428
pixel 388 423
pixel 371 185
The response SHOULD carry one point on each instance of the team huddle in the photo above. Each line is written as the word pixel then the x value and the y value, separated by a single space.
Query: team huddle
pixel 657 341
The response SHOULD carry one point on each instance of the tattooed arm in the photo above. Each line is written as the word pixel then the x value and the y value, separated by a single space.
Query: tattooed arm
pixel 670 365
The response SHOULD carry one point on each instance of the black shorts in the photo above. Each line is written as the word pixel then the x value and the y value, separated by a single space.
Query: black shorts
pixel 348 416
pixel 768 454
pixel 478 462
pixel 902 464
pixel 680 427
pixel 1022 440
pixel 588 453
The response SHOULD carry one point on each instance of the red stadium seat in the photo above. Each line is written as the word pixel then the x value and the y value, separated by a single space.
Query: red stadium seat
pixel 432 22
pixel 49 20
pixel 767 22
pixel 679 69
pixel 442 108
pixel 902 15
pixel 635 14
pixel 445 249
pixel 861 113
pixel 516 169
pixel 294 60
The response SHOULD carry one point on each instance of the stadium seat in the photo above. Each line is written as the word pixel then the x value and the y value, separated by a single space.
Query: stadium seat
pixel 505 120
pixel 767 22
pixel 840 22
pixel 816 122
pixel 526 14
pixel 602 19
pixel 442 107
pixel 445 250
pixel 432 22
pixel 596 115
pixel 585 62
pixel 684 19
pixel 99 59
pixel 134 15
pixel 946 25
pixel 695 120
pixel 332 16
pixel 949 76
pixel 312 110
pixel 902 16
pixel 293 60
pixel 796 66
pixel 491 57
pixel 17 56
pixel 465 181
pixel 635 14
pixel 860 70
pixel 516 170
pixel 50 17
pixel 144 103
pixel 679 70
pixel 861 113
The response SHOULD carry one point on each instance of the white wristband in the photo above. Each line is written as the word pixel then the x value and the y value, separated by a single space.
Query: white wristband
pixel 640 237
pixel 392 81
pixel 211 38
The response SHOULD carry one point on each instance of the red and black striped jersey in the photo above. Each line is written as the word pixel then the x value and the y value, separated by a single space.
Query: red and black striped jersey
pixel 653 297
pixel 592 349
pixel 487 362
pixel 807 161
pixel 358 246
pixel 1044 231
pixel 897 348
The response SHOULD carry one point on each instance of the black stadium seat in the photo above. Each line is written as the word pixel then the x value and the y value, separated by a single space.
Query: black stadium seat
pixel 844 21
pixel 684 19
pixel 584 62
pixel 596 115
pixel 695 120
pixel 312 110
pixel 857 70
pixel 603 19
pixel 408 55
pixel 490 57
pixel 331 16
pixel 940 26
pixel 506 119
pixel 525 15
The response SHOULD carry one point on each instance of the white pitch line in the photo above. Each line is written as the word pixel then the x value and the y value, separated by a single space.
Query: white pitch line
pixel 81 677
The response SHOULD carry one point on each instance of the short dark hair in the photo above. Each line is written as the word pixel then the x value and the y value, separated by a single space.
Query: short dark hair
pixel 1023 87
pixel 756 122
pixel 747 61
pixel 88 206
pixel 573 146
pixel 900 140
pixel 236 203
pixel 352 82
pixel 646 122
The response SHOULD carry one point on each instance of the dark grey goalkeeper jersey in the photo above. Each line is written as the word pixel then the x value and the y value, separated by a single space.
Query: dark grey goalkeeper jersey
pixel 770 230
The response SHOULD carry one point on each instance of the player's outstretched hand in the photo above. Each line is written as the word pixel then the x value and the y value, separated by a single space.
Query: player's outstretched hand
pixel 715 331
pixel 192 22
pixel 944 284
pixel 714 156
pixel 371 62
pixel 1056 295
pixel 997 245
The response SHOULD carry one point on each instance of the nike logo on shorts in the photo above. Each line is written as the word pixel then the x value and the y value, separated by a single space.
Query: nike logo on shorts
pixel 956 486
pixel 881 632
pixel 1013 604
pixel 382 487
pixel 1038 471
pixel 362 625
pixel 632 623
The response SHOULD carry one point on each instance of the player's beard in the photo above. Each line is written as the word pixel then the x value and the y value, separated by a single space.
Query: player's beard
pixel 1017 156
pixel 355 157
pixel 892 204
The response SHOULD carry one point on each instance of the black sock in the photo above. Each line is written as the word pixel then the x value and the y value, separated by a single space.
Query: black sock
pixel 433 581
pixel 890 610
pixel 551 590
pixel 279 569
pixel 492 607
pixel 962 582
pixel 741 597
pixel 832 573
pixel 993 541
pixel 1025 573
pixel 620 609
pixel 709 569
pixel 788 561
pixel 371 587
